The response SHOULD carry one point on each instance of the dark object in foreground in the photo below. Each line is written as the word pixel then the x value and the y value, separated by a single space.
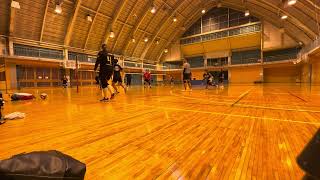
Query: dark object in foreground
pixel 42 165
pixel 309 159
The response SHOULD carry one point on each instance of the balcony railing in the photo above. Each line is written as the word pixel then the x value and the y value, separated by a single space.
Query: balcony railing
pixel 21 50
pixel 229 32
pixel 282 57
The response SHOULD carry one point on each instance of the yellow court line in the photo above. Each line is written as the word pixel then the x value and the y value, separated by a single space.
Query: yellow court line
pixel 224 114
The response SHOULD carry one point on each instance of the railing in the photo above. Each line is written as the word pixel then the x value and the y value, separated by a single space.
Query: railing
pixel 307 49
pixel 234 31
pixel 282 57
pixel 245 61
pixel 21 50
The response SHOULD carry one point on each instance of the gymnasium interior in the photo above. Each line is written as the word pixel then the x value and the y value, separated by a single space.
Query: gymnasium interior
pixel 258 119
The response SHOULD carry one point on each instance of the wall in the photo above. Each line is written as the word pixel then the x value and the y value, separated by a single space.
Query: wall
pixel 289 74
pixel 274 39
pixel 315 77
pixel 174 53
pixel 305 73
pixel 248 74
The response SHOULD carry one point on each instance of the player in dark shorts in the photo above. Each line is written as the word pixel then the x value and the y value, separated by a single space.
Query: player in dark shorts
pixel 65 81
pixel 186 75
pixel 105 62
pixel 129 77
pixel 117 69
pixel 208 79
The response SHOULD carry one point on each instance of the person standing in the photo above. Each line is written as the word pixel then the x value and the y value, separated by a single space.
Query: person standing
pixel 186 75
pixel 117 78
pixel 106 69
pixel 129 77
pixel 147 78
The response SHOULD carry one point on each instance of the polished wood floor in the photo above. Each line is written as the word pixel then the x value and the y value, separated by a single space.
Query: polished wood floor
pixel 239 132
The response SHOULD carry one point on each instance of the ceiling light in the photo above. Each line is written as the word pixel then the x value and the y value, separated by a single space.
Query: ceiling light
pixel 15 4
pixel 89 18
pixel 291 2
pixel 133 40
pixel 203 11
pixel 112 34
pixel 146 39
pixel 153 10
pixel 165 50
pixel 175 19
pixel 58 9
pixel 219 5
pixel 247 13
pixel 300 43
pixel 157 42
pixel 283 17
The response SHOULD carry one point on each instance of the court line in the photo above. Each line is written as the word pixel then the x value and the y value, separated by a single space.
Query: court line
pixel 251 106
pixel 224 114
pixel 241 97
pixel 297 96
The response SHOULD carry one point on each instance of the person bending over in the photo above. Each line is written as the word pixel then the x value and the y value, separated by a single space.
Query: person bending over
pixel 147 78
pixel 208 78
pixel 117 78
pixel 186 75
pixel 105 72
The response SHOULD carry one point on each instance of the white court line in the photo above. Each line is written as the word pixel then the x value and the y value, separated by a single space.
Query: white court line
pixel 224 114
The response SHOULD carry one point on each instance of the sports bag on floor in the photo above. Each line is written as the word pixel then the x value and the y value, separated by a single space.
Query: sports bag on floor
pixel 21 96
pixel 42 165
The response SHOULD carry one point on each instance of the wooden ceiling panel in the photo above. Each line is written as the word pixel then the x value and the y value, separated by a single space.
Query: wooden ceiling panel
pixel 97 34
pixel 136 12
pixel 4 17
pixel 56 24
pixel 91 4
pixel 81 29
pixel 122 37
pixel 28 19
pixel 108 7
pixel 126 11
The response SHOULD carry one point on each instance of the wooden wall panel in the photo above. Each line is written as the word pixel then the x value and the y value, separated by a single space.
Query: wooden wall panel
pixel 245 74
pixel 282 74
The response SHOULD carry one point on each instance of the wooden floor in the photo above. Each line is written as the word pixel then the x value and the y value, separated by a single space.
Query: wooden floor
pixel 239 132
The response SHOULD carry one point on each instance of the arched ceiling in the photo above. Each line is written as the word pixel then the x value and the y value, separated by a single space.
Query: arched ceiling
pixel 36 21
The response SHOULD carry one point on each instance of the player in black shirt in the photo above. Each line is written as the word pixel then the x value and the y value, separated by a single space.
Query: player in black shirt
pixel 105 62
pixel 117 69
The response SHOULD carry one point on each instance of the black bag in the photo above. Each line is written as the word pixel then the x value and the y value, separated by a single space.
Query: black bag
pixel 309 159
pixel 42 165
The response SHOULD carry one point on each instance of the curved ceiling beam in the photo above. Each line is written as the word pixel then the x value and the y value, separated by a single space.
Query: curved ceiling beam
pixel 187 24
pixel 291 17
pixel 126 21
pixel 136 27
pixel 91 25
pixel 143 35
pixel 178 5
pixel 118 8
pixel 71 23
pixel 44 20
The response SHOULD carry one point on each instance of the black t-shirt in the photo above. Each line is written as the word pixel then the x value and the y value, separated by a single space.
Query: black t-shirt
pixel 105 62
pixel 116 70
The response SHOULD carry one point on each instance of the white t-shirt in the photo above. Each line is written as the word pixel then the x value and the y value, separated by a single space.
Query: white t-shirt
pixel 186 67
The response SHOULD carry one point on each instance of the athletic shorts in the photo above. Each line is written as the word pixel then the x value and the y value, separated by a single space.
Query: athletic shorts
pixel 117 79
pixel 186 76
pixel 104 78
pixel 147 81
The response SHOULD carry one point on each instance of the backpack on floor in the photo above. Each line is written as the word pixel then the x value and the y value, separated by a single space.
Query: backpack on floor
pixel 42 165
